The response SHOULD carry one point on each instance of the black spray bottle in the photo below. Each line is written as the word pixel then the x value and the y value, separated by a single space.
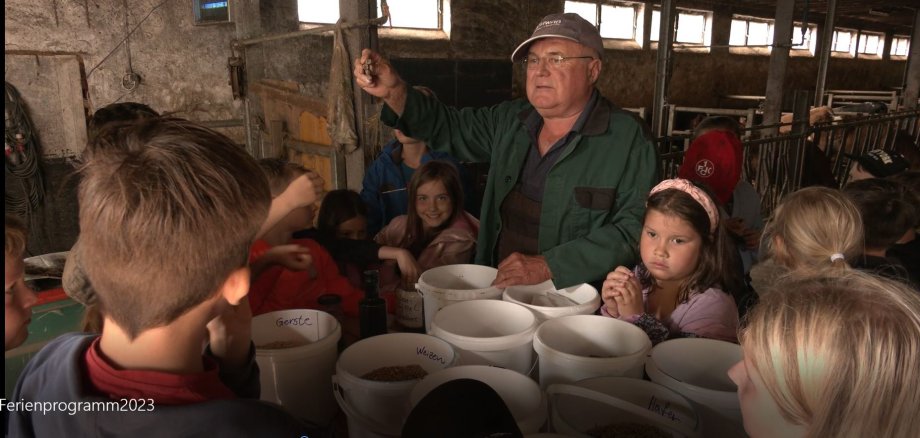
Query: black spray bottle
pixel 372 310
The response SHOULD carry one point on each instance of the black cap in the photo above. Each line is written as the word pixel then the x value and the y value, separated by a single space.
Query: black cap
pixel 881 164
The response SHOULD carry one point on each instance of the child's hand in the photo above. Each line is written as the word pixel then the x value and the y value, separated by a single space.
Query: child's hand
pixel 230 333
pixel 408 267
pixel 292 256
pixel 622 291
pixel 305 190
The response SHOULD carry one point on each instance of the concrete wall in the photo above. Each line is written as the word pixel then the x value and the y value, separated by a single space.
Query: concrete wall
pixel 182 66
pixel 183 69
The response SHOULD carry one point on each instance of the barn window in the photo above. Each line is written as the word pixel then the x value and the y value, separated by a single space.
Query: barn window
pixel 210 11
pixel 900 45
pixel 804 40
pixel 751 32
pixel 871 43
pixel 615 20
pixel 844 41
pixel 406 14
pixel 694 28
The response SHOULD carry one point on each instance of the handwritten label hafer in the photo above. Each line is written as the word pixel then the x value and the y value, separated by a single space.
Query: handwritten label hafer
pixel 655 406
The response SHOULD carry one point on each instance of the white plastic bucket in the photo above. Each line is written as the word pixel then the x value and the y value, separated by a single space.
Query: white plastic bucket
pixel 489 332
pixel 523 397
pixel 379 409
pixel 298 378
pixel 697 369
pixel 549 303
pixel 581 406
pixel 449 284
pixel 577 347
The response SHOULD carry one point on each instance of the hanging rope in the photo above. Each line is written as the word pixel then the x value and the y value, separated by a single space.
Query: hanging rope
pixel 340 106
pixel 22 157
pixel 340 102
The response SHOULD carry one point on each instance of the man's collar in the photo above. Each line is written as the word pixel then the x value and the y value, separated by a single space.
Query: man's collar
pixel 598 109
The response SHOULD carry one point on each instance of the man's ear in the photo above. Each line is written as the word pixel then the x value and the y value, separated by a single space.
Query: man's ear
pixel 236 286
pixel 594 70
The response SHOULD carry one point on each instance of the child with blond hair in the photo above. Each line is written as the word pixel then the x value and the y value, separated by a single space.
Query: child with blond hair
pixel 168 211
pixel 834 354
pixel 811 229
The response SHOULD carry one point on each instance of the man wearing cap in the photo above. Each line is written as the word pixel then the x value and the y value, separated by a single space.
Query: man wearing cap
pixel 876 164
pixel 570 171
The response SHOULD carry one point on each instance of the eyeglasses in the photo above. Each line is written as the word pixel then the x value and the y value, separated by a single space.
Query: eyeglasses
pixel 554 61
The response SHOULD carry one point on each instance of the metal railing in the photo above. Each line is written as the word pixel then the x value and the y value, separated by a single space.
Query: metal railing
pixel 775 165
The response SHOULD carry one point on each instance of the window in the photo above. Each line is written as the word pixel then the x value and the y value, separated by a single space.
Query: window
pixel 317 11
pixel 806 40
pixel 751 32
pixel 900 45
pixel 412 14
pixel 843 41
pixel 871 43
pixel 617 20
pixel 693 27
pixel 210 11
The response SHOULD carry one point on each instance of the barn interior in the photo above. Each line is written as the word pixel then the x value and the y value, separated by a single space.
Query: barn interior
pixel 275 76
pixel 260 74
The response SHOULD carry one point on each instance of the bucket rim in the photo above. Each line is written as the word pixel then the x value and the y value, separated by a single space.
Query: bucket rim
pixel 591 383
pixel 540 347
pixel 278 353
pixel 319 344
pixel 723 346
pixel 653 371
pixel 347 375
pixel 504 341
pixel 508 293
pixel 491 274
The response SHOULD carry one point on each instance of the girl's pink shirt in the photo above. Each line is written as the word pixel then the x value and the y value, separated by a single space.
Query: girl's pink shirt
pixel 455 244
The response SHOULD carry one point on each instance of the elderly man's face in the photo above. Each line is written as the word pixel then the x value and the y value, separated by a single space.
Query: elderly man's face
pixel 562 91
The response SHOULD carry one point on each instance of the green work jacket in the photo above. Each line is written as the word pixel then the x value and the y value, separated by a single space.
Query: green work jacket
pixel 594 200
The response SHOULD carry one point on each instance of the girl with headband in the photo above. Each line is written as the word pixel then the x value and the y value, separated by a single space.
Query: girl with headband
pixel 687 258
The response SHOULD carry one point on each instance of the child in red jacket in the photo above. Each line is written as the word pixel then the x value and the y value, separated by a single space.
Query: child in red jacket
pixel 292 273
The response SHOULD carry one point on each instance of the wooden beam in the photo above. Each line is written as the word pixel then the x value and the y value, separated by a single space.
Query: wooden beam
pixel 779 56
pixel 356 40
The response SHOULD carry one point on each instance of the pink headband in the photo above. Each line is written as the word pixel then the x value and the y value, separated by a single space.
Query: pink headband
pixel 696 193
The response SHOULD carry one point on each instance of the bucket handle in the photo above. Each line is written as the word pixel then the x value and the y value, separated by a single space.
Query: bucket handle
pixel 582 392
pixel 357 416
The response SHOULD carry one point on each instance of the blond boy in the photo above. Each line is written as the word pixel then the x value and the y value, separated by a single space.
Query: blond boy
pixel 168 210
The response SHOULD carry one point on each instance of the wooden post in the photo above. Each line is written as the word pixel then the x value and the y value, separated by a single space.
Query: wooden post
pixel 782 40
pixel 356 40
